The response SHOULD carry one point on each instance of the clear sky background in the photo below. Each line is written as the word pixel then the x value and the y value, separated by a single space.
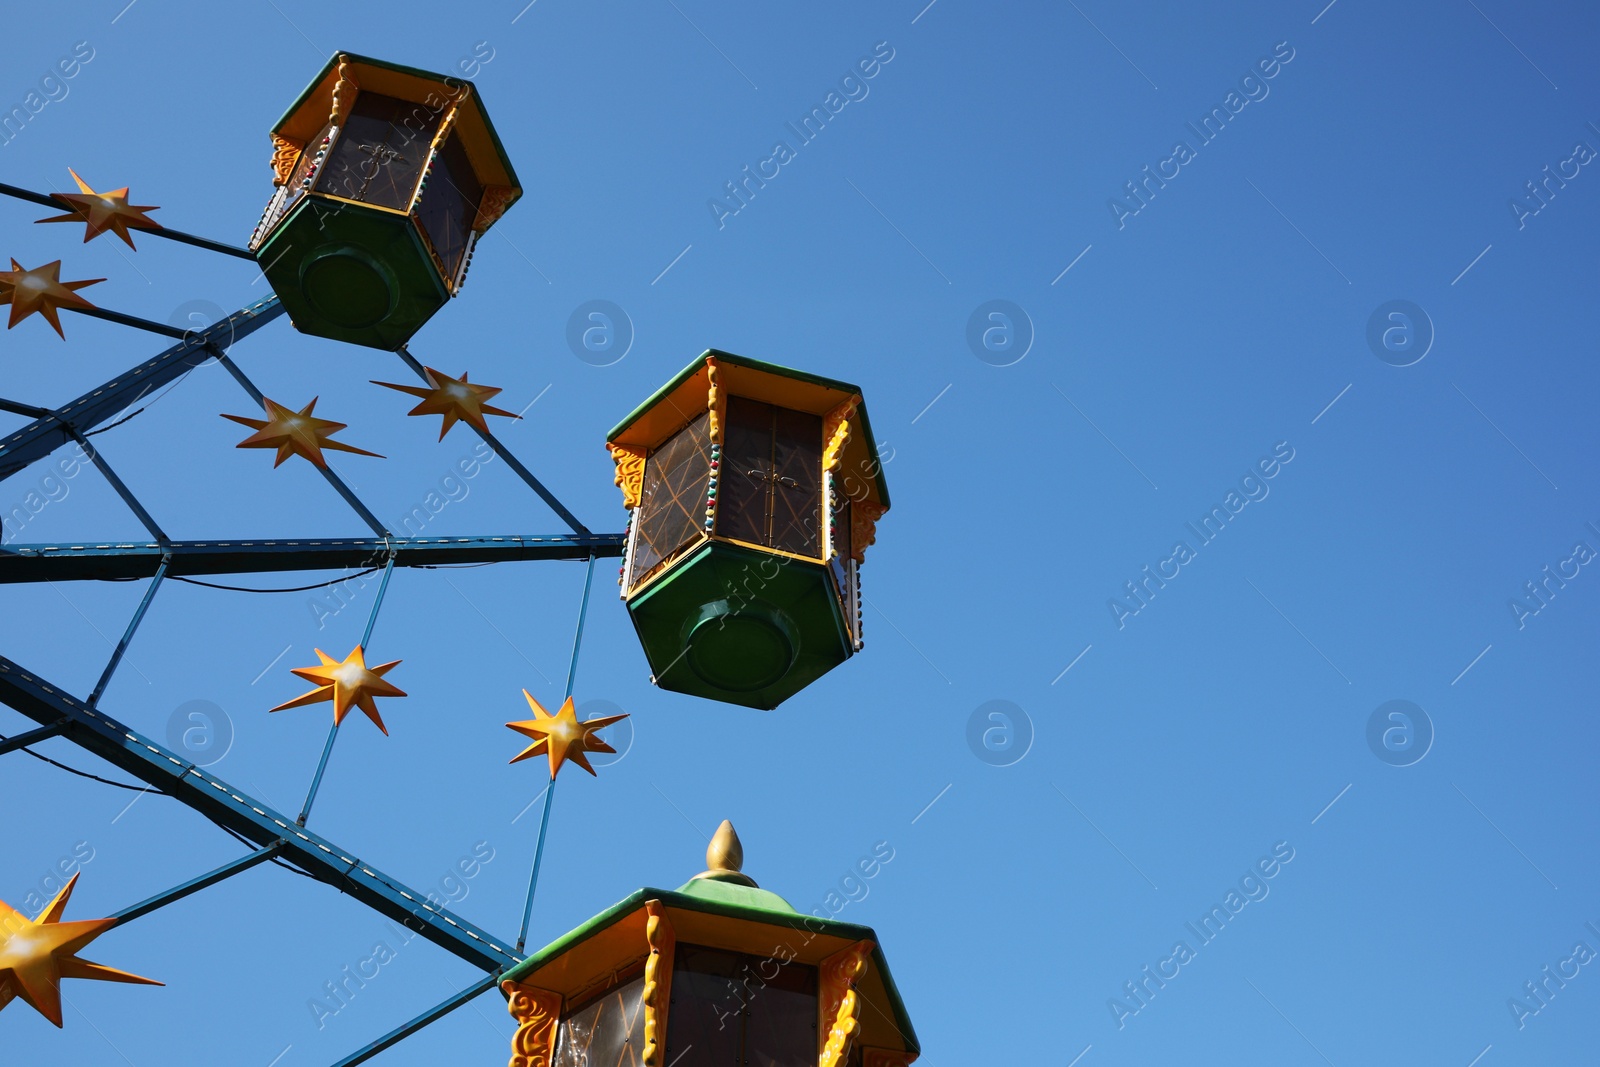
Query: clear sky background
pixel 1225 319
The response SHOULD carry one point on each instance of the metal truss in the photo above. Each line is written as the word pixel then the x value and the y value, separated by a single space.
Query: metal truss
pixel 228 807
pixel 53 428
pixel 274 835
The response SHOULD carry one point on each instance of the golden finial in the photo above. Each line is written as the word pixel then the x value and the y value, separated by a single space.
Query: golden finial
pixel 725 857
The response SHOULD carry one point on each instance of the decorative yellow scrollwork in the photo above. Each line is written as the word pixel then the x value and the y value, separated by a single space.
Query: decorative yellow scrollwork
pixel 284 154
pixel 657 991
pixel 838 1002
pixel 836 432
pixel 844 1027
pixel 864 518
pixel 496 198
pixel 537 1012
pixel 630 472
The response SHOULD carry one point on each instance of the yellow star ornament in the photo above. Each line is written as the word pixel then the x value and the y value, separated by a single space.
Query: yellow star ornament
pixel 561 736
pixel 35 956
pixel 41 289
pixel 348 684
pixel 103 211
pixel 295 433
pixel 454 399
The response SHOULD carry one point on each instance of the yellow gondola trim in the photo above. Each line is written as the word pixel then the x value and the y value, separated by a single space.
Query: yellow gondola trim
pixel 864 516
pixel 318 194
pixel 345 84
pixel 630 472
pixel 445 126
pixel 665 566
pixel 285 154
pixel 837 1005
pixel 836 432
pixel 716 402
pixel 431 92
pixel 657 992
pixel 538 1013
pixel 766 549
pixel 496 198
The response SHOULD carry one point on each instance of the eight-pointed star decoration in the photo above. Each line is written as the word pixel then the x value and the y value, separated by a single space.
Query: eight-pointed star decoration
pixel 454 399
pixel 561 736
pixel 295 433
pixel 36 955
pixel 40 289
pixel 103 211
pixel 348 684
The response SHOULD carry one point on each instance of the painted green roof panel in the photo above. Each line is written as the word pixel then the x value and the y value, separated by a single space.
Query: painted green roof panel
pixel 735 895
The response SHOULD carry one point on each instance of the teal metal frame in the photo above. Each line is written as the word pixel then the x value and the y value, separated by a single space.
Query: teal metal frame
pixel 125 560
pixel 82 722
pixel 130 751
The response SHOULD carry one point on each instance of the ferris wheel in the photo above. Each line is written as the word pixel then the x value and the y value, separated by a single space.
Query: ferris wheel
pixel 753 492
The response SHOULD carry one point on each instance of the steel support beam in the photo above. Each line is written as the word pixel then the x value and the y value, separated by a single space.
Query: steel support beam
pixel 134 559
pixel 49 432
pixel 504 453
pixel 127 636
pixel 221 803
pixel 31 737
pixel 405 1030
pixel 194 885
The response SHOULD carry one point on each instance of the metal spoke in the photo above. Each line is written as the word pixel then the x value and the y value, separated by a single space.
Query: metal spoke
pixel 504 453
pixel 118 561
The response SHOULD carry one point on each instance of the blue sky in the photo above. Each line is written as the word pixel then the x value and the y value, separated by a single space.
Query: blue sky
pixel 1222 325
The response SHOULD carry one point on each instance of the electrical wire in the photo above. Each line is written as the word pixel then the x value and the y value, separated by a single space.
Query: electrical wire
pixel 152 403
pixel 293 589
pixel 114 425
pixel 86 774
pixel 319 585
pixel 152 789
pixel 245 841
pixel 291 868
